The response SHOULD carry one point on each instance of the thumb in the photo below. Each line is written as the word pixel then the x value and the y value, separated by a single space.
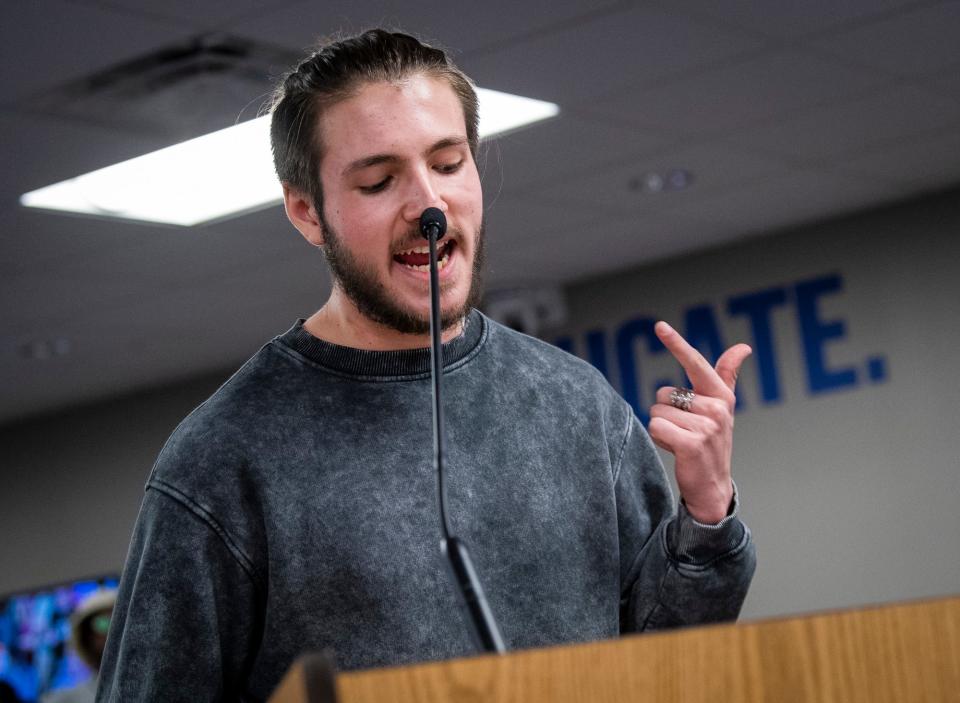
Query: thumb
pixel 728 365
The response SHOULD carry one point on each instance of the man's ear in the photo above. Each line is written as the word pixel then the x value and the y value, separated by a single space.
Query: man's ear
pixel 303 215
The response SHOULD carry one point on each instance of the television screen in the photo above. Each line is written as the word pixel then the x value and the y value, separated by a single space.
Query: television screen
pixel 35 656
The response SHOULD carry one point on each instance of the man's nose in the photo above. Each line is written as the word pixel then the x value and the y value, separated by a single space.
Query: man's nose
pixel 423 192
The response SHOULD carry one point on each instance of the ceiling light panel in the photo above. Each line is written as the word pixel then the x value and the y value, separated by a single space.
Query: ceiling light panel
pixel 222 174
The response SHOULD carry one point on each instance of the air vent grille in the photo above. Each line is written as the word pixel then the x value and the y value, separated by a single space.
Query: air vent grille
pixel 177 92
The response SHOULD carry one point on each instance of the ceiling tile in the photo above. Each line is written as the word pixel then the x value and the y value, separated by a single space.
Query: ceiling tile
pixel 799 197
pixel 915 42
pixel 615 189
pixel 929 162
pixel 893 114
pixel 109 271
pixel 594 58
pixel 575 251
pixel 209 14
pixel 630 242
pixel 46 150
pixel 788 18
pixel 514 221
pixel 945 83
pixel 568 144
pixel 35 242
pixel 45 43
pixel 741 93
pixel 463 27
pixel 523 238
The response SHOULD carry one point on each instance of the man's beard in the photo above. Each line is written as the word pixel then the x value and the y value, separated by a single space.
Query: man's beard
pixel 373 300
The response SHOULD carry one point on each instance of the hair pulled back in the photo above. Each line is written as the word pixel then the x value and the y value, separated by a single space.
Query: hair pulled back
pixel 333 73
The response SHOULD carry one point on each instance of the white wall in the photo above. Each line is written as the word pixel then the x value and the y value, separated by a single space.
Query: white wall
pixel 852 493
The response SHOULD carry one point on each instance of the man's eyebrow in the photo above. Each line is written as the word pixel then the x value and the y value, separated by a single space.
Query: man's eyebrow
pixel 445 143
pixel 368 161
pixel 377 159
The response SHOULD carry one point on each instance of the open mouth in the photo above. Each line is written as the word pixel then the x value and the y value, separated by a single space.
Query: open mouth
pixel 418 258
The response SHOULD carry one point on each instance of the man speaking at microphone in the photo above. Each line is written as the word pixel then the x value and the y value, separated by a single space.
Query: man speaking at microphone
pixel 295 509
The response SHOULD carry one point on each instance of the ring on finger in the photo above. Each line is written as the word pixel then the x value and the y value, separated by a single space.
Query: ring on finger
pixel 682 398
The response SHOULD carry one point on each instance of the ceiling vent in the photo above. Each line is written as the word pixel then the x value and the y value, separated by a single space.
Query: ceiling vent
pixel 175 93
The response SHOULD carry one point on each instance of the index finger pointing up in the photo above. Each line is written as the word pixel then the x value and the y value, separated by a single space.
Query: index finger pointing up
pixel 705 379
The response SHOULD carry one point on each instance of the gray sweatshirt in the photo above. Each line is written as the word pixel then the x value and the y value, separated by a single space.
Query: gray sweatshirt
pixel 296 510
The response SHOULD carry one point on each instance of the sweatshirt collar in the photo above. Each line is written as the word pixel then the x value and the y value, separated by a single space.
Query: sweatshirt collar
pixel 402 362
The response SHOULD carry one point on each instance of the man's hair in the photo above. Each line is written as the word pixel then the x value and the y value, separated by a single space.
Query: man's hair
pixel 335 72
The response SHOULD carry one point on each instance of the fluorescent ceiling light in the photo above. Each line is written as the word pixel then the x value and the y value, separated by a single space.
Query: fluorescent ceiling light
pixel 503 112
pixel 222 174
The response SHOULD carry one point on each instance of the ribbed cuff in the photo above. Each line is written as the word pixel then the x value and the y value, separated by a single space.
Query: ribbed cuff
pixel 694 542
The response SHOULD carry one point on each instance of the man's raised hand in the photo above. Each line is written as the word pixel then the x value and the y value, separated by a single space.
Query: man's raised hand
pixel 701 438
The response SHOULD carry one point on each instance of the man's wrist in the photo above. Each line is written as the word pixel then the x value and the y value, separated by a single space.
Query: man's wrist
pixel 695 542
pixel 714 512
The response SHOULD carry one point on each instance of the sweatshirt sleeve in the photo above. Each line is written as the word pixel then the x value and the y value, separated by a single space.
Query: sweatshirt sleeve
pixel 674 570
pixel 185 624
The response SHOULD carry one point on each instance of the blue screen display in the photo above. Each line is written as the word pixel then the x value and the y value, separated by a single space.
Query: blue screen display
pixel 35 656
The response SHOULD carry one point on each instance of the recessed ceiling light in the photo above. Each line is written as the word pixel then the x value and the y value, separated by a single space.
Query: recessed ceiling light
pixel 660 181
pixel 222 174
pixel 42 349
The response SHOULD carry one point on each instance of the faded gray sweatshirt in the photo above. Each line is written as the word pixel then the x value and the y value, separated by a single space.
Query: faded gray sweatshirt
pixel 296 510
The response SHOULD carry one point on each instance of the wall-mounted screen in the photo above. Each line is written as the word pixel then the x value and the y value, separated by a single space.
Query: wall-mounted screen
pixel 35 652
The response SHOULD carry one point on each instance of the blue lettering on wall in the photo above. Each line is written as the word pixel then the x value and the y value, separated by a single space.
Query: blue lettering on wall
pixel 702 330
pixel 565 343
pixel 815 334
pixel 757 307
pixel 877 369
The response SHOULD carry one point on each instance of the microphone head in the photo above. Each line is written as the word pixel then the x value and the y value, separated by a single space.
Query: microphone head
pixel 433 223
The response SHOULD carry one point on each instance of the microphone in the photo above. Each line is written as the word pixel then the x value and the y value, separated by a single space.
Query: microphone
pixel 484 630
pixel 433 223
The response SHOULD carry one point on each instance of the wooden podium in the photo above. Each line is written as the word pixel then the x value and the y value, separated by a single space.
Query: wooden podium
pixel 899 653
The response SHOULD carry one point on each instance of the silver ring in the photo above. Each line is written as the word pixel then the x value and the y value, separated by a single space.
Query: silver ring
pixel 682 398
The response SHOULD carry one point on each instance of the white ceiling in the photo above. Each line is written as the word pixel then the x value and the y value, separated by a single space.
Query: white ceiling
pixel 784 111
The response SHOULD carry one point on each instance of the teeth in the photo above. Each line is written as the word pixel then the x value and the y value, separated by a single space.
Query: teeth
pixel 418 250
pixel 426 267
pixel 423 249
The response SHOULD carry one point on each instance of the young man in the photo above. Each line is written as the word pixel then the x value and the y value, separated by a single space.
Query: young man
pixel 295 509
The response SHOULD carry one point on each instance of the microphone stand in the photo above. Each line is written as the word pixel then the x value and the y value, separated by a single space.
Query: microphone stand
pixel 484 630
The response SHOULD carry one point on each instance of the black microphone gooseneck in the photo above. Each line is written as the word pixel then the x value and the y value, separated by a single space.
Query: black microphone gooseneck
pixel 486 635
